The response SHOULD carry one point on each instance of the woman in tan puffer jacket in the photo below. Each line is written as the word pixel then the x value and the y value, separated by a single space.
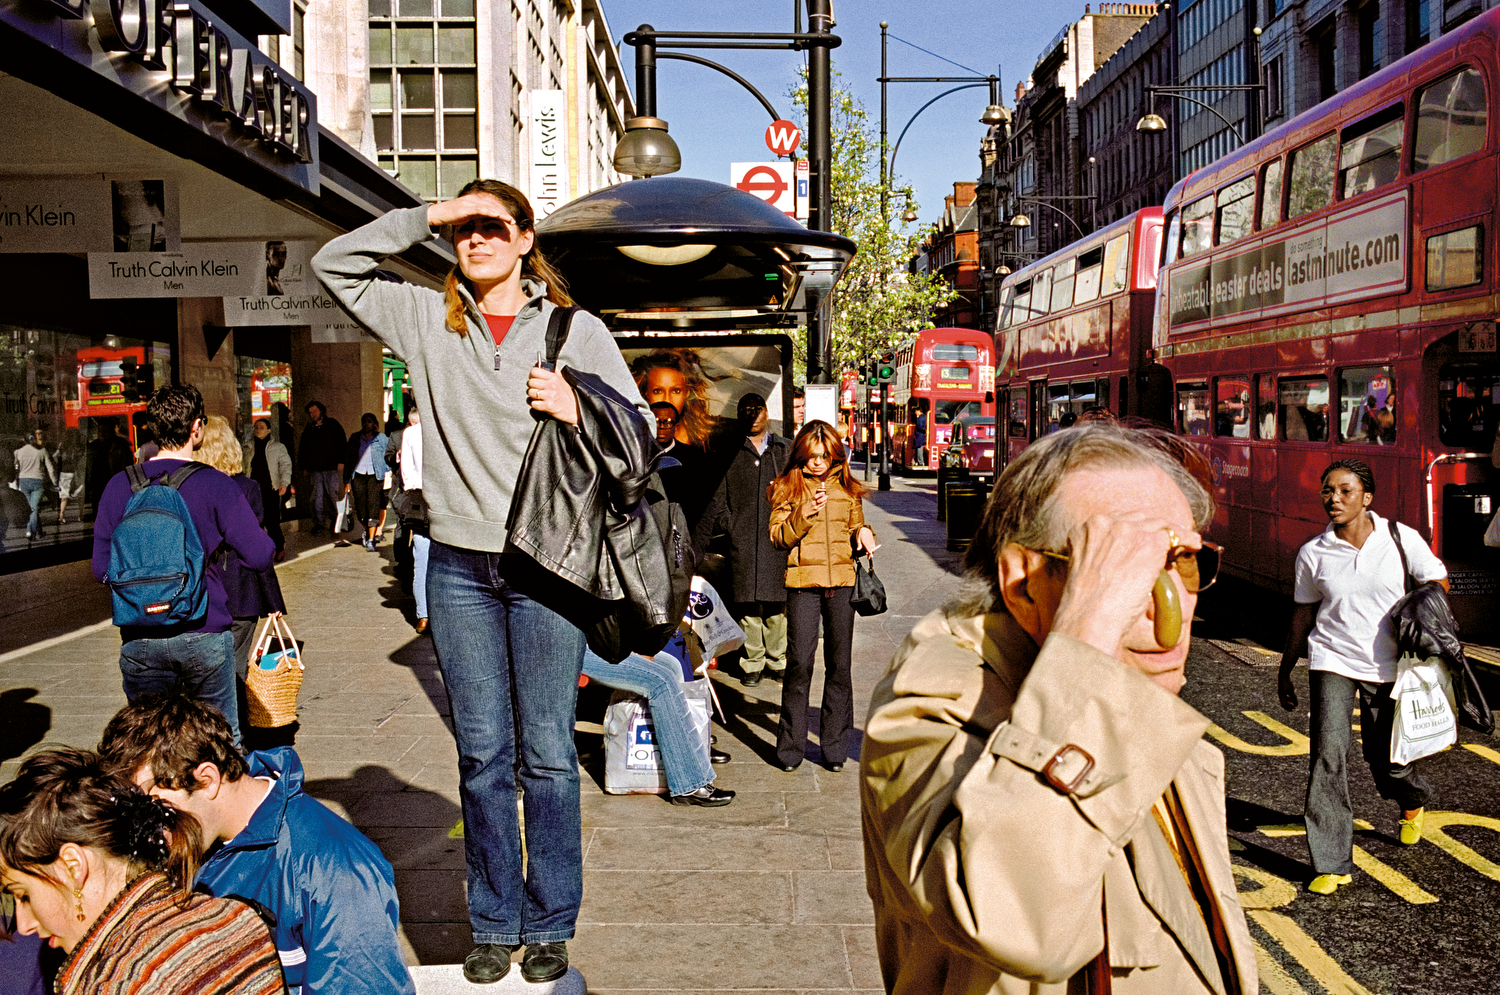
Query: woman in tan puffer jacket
pixel 817 514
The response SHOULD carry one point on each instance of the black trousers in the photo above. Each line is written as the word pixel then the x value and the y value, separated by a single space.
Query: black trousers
pixel 805 607
pixel 271 505
pixel 365 490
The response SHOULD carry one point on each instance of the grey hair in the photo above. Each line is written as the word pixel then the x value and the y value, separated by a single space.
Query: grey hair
pixel 1022 509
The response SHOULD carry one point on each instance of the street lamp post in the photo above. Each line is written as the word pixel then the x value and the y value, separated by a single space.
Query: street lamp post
pixel 1152 121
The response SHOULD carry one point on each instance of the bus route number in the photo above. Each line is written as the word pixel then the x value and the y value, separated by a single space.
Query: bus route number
pixel 1478 337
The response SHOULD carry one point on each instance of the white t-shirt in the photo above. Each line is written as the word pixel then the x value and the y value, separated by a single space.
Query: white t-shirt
pixel 1354 635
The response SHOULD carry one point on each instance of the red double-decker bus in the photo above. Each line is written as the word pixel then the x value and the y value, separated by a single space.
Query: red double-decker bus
pixel 101 389
pixel 1329 291
pixel 1074 330
pixel 941 373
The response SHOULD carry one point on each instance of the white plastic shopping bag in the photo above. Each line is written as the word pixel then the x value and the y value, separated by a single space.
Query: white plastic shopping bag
pixel 1425 720
pixel 341 521
pixel 632 761
pixel 709 617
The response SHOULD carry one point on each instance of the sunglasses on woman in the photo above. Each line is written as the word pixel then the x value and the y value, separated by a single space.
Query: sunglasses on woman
pixel 1198 568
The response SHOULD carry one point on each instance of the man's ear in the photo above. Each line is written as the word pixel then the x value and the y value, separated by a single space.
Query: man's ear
pixel 210 780
pixel 1015 569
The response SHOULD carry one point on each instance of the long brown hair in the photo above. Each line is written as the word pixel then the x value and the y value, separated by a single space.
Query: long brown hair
pixel 533 264
pixel 792 485
pixel 66 796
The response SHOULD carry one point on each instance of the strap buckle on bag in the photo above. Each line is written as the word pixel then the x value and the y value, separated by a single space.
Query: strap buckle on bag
pixel 1068 768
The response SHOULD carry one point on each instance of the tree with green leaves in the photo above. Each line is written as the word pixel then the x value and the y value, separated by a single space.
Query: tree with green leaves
pixel 877 303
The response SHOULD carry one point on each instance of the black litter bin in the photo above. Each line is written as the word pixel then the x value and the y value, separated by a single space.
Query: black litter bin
pixel 965 505
pixel 946 474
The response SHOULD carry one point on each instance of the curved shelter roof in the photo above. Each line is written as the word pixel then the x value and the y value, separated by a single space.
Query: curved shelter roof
pixel 678 253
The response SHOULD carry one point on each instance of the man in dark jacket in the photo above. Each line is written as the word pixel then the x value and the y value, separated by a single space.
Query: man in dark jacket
pixel 320 454
pixel 740 508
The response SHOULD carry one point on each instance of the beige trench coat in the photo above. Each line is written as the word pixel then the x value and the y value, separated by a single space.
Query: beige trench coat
pixel 988 879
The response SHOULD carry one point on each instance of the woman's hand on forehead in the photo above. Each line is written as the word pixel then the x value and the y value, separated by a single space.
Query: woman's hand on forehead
pixel 461 209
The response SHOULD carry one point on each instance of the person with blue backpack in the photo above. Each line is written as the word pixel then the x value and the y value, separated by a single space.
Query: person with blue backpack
pixel 159 525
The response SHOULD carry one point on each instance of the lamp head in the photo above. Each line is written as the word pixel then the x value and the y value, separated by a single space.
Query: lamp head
pixel 1151 122
pixel 646 149
pixel 1020 221
pixel 994 114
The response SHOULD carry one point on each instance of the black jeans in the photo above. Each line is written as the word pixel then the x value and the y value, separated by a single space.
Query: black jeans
pixel 805 606
pixel 365 492
pixel 271 505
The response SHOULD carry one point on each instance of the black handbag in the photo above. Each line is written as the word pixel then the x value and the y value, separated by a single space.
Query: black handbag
pixel 868 596
pixel 410 505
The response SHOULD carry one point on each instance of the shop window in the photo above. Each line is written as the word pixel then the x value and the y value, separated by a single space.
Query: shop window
pixel 413 43
pixel 456 45
pixel 1452 117
pixel 1017 426
pixel 1455 259
pixel 1469 405
pixel 1270 193
pixel 1116 264
pixel 1232 408
pixel 1197 226
pixel 1062 285
pixel 1090 270
pixel 1236 210
pixel 1192 408
pixel 1370 156
pixel 1367 406
pixel 1265 406
pixel 1310 187
pixel 1302 409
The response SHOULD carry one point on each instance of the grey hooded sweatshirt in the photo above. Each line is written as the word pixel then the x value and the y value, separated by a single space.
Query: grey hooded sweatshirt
pixel 475 419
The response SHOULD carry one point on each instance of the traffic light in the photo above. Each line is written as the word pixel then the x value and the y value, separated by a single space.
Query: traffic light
pixel 136 381
pixel 885 369
pixel 864 374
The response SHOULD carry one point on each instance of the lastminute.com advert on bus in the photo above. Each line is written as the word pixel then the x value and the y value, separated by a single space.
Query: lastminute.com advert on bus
pixel 1360 253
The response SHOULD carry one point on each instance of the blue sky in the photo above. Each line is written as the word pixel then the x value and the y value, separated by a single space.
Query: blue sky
pixel 716 122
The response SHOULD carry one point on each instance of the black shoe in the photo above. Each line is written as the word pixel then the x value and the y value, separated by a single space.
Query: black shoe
pixel 775 675
pixel 488 963
pixel 750 680
pixel 836 767
pixel 788 767
pixel 544 962
pixel 717 756
pixel 708 796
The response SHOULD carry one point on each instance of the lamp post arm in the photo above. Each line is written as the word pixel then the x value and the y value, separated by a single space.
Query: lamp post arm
pixel 891 170
pixel 1076 226
pixel 1154 92
pixel 697 60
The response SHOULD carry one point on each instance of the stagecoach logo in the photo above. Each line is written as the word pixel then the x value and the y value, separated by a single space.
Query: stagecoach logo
pixel 1357 254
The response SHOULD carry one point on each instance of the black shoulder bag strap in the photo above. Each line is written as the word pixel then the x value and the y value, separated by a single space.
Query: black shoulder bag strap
pixel 557 334
pixel 1411 584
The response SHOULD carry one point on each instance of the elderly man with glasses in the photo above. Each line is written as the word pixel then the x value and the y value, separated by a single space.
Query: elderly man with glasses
pixel 1041 813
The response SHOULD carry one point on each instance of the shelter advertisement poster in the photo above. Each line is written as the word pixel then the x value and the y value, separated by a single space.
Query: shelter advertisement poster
pixel 88 214
pixel 714 380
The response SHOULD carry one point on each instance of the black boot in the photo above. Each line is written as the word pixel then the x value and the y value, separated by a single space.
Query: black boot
pixel 544 962
pixel 487 963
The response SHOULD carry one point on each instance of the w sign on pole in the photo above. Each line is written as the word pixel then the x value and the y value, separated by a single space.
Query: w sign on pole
pixel 783 137
pixel 772 182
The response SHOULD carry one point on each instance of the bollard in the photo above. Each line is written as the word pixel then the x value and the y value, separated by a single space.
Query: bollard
pixel 965 505
pixel 946 474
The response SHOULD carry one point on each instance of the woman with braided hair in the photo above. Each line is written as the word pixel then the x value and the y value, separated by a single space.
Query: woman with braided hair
pixel 105 872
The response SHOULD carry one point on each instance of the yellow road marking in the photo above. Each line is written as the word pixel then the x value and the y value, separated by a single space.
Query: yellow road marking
pixel 1313 958
pixel 1296 744
pixel 1403 886
pixel 1483 751
pixel 1290 829
pixel 1436 822
pixel 1273 976
pixel 1273 893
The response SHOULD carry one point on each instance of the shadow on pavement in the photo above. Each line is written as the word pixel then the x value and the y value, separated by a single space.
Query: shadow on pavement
pixel 913 512
pixel 26 722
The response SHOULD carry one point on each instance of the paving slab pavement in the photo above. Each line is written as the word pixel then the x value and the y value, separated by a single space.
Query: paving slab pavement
pixel 766 893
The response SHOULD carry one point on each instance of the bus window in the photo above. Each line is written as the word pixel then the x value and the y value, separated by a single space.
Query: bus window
pixel 1041 292
pixel 1198 226
pixel 1101 393
pixel 1232 414
pixel 1124 396
pixel 1371 154
pixel 1059 403
pixel 1455 259
pixel 1062 285
pixel 1270 194
pixel 1302 409
pixel 1090 267
pixel 1367 404
pixel 1236 210
pixel 1192 408
pixel 954 352
pixel 1020 310
pixel 1265 406
pixel 1469 405
pixel 1311 183
pixel 1017 426
pixel 1117 264
pixel 1169 246
pixel 1005 307
pixel 1451 119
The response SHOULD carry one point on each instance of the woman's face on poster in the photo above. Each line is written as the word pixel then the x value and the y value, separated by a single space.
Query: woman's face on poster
pixel 666 384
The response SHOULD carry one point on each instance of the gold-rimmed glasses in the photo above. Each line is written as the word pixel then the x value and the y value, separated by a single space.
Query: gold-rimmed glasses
pixel 1198 568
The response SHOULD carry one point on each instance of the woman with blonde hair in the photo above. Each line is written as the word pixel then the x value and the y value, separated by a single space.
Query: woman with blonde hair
pixel 249 594
pixel 817 513
pixel 105 872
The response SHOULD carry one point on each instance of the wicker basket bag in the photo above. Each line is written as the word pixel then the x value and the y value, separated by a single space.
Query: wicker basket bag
pixel 275 675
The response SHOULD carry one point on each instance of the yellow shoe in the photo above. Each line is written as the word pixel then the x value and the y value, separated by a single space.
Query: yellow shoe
pixel 1327 884
pixel 1411 829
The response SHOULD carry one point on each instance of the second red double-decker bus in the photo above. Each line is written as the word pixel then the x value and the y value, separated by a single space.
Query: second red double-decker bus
pixel 941 373
pixel 1074 330
pixel 1329 291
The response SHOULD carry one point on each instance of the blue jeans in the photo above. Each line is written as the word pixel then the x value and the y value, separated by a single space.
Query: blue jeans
pixel 659 680
pixel 327 488
pixel 32 488
pixel 1330 815
pixel 198 664
pixel 420 545
pixel 511 668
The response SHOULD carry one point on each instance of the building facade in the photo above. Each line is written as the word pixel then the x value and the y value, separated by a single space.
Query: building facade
pixel 951 253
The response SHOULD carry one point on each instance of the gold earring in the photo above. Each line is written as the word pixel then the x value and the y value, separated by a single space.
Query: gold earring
pixel 78 897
